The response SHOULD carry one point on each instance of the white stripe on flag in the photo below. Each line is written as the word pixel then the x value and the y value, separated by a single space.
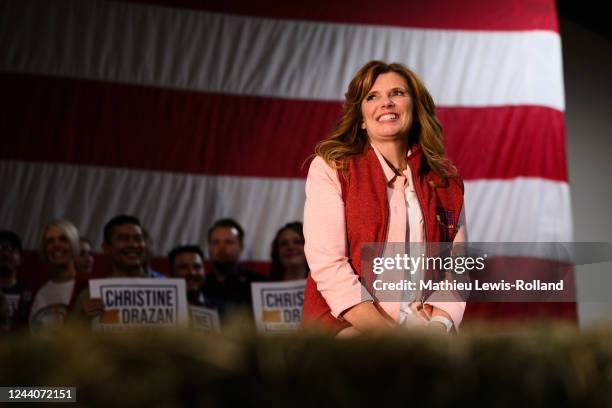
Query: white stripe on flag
pixel 179 208
pixel 518 210
pixel 195 50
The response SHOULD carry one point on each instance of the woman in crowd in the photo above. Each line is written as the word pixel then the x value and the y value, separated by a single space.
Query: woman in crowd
pixel 60 246
pixel 84 261
pixel 288 259
pixel 380 177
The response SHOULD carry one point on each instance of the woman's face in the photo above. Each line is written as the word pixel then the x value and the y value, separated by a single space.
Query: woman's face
pixel 57 247
pixel 387 108
pixel 85 260
pixel 291 248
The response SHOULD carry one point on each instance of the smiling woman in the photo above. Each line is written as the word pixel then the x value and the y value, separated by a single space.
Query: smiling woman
pixel 380 177
pixel 288 259
pixel 60 246
pixel 387 109
pixel 60 243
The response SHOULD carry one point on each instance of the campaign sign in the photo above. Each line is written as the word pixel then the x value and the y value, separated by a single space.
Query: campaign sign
pixel 277 306
pixel 140 302
pixel 204 318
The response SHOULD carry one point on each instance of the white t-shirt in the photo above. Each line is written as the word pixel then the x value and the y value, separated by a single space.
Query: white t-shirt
pixel 50 306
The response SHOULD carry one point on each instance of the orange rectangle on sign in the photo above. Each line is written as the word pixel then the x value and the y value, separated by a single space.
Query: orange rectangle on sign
pixel 110 316
pixel 271 315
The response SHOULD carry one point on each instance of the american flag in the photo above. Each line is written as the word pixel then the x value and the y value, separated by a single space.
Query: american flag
pixel 182 112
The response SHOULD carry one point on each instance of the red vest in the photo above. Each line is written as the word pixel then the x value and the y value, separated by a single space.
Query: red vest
pixel 364 192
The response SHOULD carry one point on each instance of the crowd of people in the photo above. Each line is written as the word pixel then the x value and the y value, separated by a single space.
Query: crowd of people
pixel 69 258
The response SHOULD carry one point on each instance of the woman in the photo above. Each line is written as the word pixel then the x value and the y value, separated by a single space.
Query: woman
pixel 288 259
pixel 60 246
pixel 84 261
pixel 381 176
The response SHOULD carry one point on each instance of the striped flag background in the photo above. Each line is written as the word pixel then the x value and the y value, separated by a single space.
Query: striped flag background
pixel 182 112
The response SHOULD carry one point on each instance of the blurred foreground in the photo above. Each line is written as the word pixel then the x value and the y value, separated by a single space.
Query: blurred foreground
pixel 537 366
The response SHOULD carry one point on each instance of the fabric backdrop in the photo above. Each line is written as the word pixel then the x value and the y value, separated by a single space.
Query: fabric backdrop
pixel 182 112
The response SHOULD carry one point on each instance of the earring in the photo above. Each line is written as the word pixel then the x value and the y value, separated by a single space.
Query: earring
pixel 363 125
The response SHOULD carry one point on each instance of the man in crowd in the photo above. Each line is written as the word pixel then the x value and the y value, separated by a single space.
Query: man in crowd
pixel 124 243
pixel 16 297
pixel 228 287
pixel 187 262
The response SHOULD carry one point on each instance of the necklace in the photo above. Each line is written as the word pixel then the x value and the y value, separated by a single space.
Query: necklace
pixel 400 170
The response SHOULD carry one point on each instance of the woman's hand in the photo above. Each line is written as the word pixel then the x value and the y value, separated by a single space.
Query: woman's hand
pixel 348 332
pixel 422 310
pixel 365 316
pixel 425 312
pixel 437 326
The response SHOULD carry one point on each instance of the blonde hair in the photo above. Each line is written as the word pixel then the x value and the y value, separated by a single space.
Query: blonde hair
pixel 67 228
pixel 347 138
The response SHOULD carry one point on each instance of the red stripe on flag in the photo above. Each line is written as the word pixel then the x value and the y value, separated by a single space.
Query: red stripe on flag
pixel 505 142
pixel 560 306
pixel 108 124
pixel 440 14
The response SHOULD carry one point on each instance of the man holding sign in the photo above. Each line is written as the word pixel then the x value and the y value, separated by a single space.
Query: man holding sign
pixel 132 297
